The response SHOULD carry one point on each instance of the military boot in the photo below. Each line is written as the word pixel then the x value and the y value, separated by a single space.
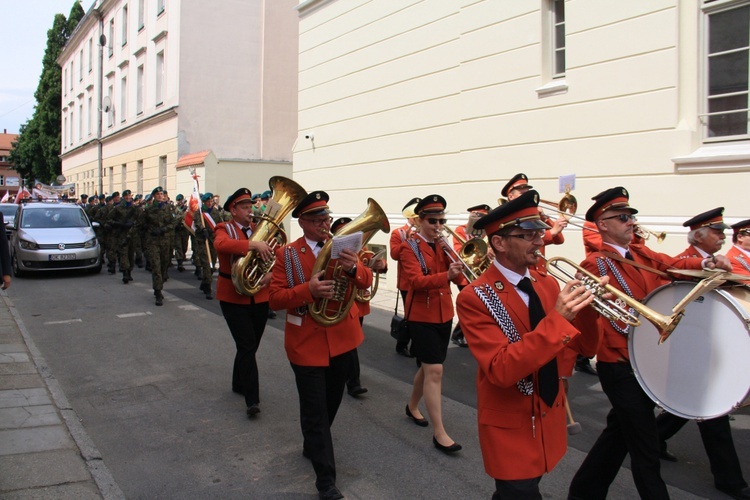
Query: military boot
pixel 128 276
pixel 125 277
pixel 180 267
pixel 111 268
pixel 159 297
pixel 206 288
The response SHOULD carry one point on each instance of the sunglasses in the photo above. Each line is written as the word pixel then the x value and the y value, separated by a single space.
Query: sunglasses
pixel 319 222
pixel 530 236
pixel 434 221
pixel 622 217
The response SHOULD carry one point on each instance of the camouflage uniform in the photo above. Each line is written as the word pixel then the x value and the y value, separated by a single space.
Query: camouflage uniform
pixel 158 231
pixel 181 234
pixel 123 217
pixel 203 236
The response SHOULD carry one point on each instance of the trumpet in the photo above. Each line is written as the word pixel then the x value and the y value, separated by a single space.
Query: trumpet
pixel 645 233
pixel 616 310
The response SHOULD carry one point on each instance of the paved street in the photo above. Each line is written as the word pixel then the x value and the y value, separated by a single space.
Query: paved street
pixel 121 398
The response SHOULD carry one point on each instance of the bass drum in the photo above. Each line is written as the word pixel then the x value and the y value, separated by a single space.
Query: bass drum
pixel 700 371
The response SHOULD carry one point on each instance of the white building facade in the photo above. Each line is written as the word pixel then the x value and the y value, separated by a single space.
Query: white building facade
pixel 147 82
pixel 411 97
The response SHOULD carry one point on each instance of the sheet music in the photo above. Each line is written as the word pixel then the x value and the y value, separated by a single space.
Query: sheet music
pixel 351 241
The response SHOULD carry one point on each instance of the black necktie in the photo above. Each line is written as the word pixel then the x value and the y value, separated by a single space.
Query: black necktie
pixel 628 255
pixel 246 230
pixel 319 244
pixel 549 383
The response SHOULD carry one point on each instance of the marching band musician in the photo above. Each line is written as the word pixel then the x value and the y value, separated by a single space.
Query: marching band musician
pixel 245 316
pixel 429 312
pixel 518 331
pixel 706 237
pixel 518 185
pixel 320 356
pixel 631 424
pixel 739 254
pixel 398 236
pixel 466 232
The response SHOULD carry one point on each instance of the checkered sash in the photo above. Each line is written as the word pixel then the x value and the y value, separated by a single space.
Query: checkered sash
pixel 600 263
pixel 292 264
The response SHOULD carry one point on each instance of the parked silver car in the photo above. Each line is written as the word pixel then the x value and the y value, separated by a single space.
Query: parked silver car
pixel 9 215
pixel 52 236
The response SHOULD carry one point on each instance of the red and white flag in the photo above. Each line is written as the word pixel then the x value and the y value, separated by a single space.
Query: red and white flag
pixel 22 195
pixel 194 204
pixel 5 197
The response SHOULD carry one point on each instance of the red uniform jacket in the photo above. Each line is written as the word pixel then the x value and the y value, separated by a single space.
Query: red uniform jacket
pixel 229 249
pixel 737 266
pixel 614 346
pixel 429 298
pixel 398 236
pixel 514 446
pixel 308 343
pixel 461 232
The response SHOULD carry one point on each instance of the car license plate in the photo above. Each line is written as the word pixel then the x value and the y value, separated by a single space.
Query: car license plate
pixel 64 256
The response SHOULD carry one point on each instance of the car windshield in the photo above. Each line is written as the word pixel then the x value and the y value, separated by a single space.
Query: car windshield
pixel 52 217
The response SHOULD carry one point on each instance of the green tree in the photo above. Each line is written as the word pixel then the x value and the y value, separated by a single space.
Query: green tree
pixel 35 154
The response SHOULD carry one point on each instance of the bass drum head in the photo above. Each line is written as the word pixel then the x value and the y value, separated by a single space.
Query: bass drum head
pixel 701 370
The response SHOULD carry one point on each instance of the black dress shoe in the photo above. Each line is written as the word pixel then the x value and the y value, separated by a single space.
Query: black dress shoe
pixel 738 493
pixel 422 422
pixel 667 455
pixel 356 391
pixel 271 314
pixel 252 410
pixel 330 493
pixel 446 449
pixel 585 368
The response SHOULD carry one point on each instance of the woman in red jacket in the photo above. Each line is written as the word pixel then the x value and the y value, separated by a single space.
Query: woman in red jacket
pixel 429 311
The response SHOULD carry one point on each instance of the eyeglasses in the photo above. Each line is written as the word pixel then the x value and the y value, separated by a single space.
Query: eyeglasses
pixel 529 236
pixel 436 221
pixel 622 218
pixel 319 222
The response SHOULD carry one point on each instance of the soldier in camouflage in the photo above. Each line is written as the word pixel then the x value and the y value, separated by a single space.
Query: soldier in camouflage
pixel 158 231
pixel 122 218
pixel 181 234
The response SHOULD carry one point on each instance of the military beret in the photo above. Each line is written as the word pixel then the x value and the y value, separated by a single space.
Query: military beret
pixel 206 196
pixel 157 189
pixel 315 203
pixel 138 196
pixel 522 212
pixel 180 197
pixel 102 197
pixel 115 194
pixel 266 195
pixel 242 194
pixel 713 218
pixel 518 181
pixel 255 197
pixel 84 196
pixel 127 192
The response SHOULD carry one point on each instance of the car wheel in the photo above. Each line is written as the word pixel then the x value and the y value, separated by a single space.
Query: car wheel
pixel 14 265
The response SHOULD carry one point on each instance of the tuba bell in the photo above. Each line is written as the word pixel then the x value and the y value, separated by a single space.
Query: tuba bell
pixel 248 271
pixel 329 312
pixel 474 254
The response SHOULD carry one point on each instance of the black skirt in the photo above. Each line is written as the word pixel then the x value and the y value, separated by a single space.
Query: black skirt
pixel 429 341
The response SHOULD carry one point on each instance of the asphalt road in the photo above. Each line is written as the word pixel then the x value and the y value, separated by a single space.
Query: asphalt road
pixel 151 386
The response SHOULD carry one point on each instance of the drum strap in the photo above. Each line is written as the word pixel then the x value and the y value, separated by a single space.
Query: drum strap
pixel 600 262
pixel 742 261
pixel 633 263
pixel 497 310
pixel 292 264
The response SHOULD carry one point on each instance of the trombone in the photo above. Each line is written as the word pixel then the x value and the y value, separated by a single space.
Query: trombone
pixel 453 256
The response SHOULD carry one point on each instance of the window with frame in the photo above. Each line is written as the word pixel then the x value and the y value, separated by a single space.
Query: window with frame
pixel 557 18
pixel 124 25
pixel 111 41
pixel 139 90
pixel 159 94
pixel 160 6
pixel 141 13
pixel 110 113
pixel 80 67
pixel 727 56
pixel 90 51
pixel 123 98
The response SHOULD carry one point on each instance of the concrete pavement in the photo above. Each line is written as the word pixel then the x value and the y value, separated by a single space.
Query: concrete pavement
pixel 44 450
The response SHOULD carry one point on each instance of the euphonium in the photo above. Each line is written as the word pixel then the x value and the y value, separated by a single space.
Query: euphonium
pixel 329 312
pixel 248 271
pixel 473 253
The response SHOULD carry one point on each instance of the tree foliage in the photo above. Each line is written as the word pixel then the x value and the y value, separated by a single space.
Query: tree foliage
pixel 35 155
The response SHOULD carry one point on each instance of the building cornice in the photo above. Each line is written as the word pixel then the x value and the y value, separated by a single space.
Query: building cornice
pixel 307 6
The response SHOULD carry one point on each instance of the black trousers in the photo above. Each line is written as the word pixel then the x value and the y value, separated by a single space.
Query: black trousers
pixel 246 323
pixel 631 429
pixel 716 435
pixel 320 389
pixel 518 489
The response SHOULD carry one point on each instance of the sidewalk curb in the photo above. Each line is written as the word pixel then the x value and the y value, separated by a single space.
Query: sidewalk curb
pixel 90 454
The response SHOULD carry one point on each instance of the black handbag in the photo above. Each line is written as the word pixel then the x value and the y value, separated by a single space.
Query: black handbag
pixel 399 324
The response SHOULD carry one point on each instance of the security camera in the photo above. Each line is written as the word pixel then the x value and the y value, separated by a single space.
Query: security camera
pixel 310 136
